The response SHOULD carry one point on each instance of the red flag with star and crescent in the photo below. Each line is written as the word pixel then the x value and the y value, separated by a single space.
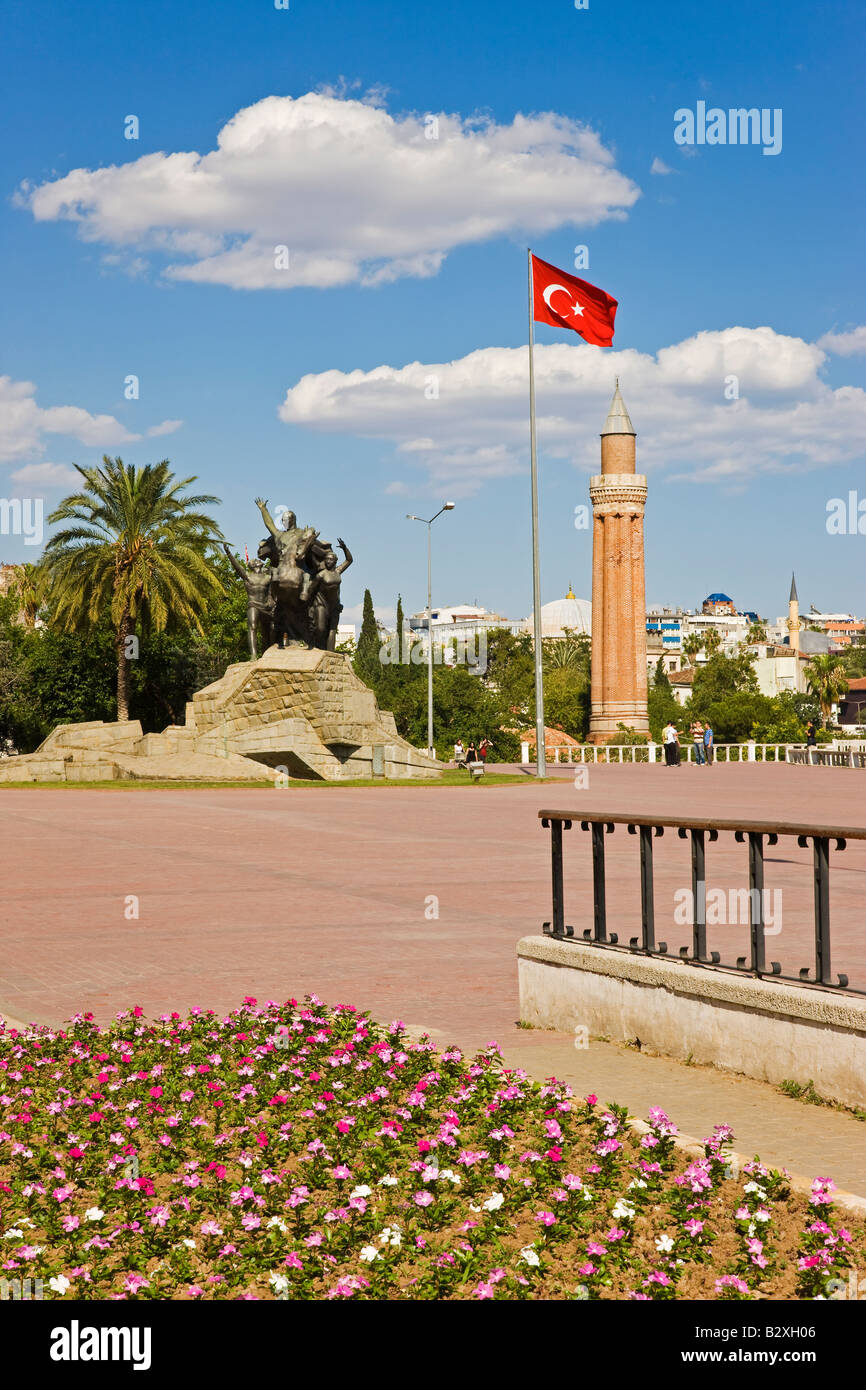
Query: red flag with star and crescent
pixel 564 301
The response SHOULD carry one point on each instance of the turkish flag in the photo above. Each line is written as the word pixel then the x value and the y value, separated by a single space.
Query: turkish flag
pixel 566 302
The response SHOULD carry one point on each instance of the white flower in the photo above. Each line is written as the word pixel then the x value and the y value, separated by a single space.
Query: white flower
pixel 529 1256
pixel 190 1244
pixel 637 1182
pixel 25 1221
pixel 472 1207
pixel 59 1285
pixel 370 1253
pixel 13 1232
pixel 430 1174
pixel 388 1181
pixel 755 1187
pixel 278 1221
pixel 493 1203
pixel 448 1175
pixel 664 1244
pixel 390 1236
pixel 93 1214
pixel 761 1215
pixel 586 1195
pixel 279 1282
pixel 361 1191
pixel 623 1211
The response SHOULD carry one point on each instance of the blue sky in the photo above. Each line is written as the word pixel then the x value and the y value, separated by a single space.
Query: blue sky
pixel 145 269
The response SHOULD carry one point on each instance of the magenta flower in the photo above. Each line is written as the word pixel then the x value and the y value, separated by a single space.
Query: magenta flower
pixel 545 1218
pixel 423 1199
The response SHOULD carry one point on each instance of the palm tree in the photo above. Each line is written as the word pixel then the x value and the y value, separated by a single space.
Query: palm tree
pixel 28 588
pixel 691 646
pixel 571 651
pixel 756 633
pixel 712 641
pixel 136 550
pixel 826 678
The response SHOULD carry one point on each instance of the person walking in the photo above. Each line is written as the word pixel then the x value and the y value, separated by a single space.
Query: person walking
pixel 708 744
pixel 671 744
pixel 811 735
pixel 697 732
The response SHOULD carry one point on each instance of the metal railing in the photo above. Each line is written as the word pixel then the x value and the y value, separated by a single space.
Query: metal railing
pixel 649 828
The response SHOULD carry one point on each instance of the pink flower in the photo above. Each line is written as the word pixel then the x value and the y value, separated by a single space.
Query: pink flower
pixel 423 1199
pixel 693 1227
pixel 133 1282
pixel 483 1290
pixel 341 1172
pixel 545 1218
pixel 293 1261
pixel 315 1239
pixel 501 1170
pixel 588 1268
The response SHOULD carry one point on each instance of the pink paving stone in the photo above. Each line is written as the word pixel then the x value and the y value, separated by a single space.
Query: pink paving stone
pixel 283 892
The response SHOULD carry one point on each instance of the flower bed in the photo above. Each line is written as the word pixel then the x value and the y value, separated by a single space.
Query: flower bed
pixel 300 1151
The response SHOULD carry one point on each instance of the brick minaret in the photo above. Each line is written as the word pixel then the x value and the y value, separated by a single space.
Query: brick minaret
pixel 619 670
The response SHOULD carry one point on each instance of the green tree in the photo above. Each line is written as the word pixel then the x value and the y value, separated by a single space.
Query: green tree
pixel 661 679
pixel 692 644
pixel 757 632
pixel 400 625
pixel 566 702
pixel 662 706
pixel 827 680
pixel 720 677
pixel 367 665
pixel 136 552
pixel 712 641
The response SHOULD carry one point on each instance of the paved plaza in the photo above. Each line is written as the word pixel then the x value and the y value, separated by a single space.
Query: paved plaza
pixel 336 891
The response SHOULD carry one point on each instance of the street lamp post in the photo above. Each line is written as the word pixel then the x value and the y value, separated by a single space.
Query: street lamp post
pixel 410 516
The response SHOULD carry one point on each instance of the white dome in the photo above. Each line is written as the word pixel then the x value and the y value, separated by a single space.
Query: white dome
pixel 573 613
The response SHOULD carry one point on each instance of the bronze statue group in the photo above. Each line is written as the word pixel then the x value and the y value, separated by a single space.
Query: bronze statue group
pixel 293 586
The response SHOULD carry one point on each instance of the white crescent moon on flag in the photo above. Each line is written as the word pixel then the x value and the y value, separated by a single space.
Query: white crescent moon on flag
pixel 551 289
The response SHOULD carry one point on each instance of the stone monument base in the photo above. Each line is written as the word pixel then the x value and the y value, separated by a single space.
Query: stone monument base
pixel 303 713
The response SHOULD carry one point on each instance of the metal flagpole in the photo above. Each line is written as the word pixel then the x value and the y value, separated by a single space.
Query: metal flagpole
pixel 540 751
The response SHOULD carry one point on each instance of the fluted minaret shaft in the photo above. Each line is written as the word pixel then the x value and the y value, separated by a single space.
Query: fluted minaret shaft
pixel 619 669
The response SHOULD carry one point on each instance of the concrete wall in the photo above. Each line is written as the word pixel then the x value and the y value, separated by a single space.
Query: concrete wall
pixel 772 1031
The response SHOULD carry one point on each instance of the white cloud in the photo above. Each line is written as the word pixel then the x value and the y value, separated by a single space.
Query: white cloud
pixel 354 193
pixel 23 423
pixel 658 166
pixel 845 344
pixel 786 419
pixel 167 427
pixel 39 476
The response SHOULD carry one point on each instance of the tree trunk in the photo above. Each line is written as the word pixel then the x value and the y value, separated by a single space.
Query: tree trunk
pixel 123 631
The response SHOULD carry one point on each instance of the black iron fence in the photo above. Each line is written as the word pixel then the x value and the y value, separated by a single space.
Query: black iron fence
pixel 647 829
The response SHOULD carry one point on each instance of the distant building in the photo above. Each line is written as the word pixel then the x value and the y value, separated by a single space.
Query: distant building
pixel 465 620
pixel 852 706
pixel 569 614
pixel 717 604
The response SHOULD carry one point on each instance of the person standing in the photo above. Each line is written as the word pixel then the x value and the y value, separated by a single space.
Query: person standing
pixel 483 749
pixel 471 752
pixel 697 732
pixel 708 744
pixel 671 744
pixel 811 736
pixel 459 753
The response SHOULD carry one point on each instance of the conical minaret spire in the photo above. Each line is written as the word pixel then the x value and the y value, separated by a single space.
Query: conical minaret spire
pixel 617 421
pixel 793 598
